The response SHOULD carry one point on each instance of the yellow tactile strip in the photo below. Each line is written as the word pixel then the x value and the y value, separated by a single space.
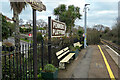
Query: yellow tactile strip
pixel 107 65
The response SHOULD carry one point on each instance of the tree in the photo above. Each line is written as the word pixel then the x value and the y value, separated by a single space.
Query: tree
pixel 17 8
pixel 80 32
pixel 39 37
pixel 99 27
pixel 107 29
pixel 29 22
pixel 11 28
pixel 41 23
pixel 67 15
pixel 5 28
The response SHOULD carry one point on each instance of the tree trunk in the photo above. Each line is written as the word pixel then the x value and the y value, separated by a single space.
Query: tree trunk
pixel 17 33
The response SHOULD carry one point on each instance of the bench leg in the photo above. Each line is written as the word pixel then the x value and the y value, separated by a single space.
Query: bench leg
pixel 68 62
pixel 61 65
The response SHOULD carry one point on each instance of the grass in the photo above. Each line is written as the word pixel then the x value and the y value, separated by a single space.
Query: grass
pixel 25 40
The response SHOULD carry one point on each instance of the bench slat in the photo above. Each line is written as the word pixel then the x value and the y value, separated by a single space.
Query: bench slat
pixel 66 59
pixel 61 51
pixel 77 44
pixel 63 54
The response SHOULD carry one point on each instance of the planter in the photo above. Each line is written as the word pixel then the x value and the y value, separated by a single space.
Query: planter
pixel 50 75
pixel 76 52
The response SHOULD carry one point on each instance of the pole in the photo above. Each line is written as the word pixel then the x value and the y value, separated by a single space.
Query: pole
pixel 0 45
pixel 85 29
pixel 34 45
pixel 49 40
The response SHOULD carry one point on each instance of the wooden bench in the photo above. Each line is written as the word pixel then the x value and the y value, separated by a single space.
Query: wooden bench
pixel 77 44
pixel 64 56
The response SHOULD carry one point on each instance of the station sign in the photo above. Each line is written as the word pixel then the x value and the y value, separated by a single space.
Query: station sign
pixel 36 4
pixel 57 28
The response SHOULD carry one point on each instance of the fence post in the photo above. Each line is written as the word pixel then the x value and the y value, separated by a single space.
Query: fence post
pixel 49 39
pixel 34 45
pixel 42 55
pixel 0 46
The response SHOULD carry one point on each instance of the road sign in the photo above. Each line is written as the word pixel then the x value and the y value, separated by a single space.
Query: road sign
pixel 30 35
pixel 57 28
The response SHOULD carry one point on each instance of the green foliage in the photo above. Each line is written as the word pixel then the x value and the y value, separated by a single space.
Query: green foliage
pixel 39 37
pixel 50 68
pixel 41 28
pixel 77 47
pixel 7 28
pixel 93 36
pixel 74 48
pixel 112 35
pixel 39 76
pixel 25 40
pixel 80 32
pixel 68 15
pixel 25 30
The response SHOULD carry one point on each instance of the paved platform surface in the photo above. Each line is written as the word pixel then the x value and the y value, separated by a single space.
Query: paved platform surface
pixel 90 64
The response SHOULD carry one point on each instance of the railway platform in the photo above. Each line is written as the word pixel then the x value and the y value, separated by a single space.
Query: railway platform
pixel 94 62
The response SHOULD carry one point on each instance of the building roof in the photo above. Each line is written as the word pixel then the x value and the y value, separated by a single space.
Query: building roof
pixel 8 19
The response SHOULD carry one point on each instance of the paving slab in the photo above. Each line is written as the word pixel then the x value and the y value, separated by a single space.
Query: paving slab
pixel 97 65
pixel 82 69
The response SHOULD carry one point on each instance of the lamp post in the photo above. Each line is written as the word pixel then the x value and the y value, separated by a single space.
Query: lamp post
pixel 85 24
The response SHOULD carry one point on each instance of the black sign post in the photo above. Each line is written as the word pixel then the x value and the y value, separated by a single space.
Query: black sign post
pixel 49 40
pixel 34 45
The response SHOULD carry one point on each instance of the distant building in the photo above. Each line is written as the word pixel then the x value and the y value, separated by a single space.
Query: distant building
pixel 119 11
pixel 42 31
pixel 26 26
pixel 8 19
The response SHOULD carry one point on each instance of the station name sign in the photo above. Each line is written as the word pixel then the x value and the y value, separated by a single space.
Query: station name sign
pixel 36 4
pixel 58 28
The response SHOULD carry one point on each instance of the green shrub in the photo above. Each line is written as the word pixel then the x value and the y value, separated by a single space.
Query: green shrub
pixel 39 37
pixel 77 47
pixel 50 68
pixel 72 48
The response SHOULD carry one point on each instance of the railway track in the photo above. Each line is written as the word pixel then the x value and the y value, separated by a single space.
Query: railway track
pixel 112 45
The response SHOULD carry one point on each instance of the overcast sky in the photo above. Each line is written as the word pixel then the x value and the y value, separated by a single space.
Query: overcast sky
pixel 101 11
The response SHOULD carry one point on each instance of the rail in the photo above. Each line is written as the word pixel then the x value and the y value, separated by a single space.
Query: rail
pixel 117 48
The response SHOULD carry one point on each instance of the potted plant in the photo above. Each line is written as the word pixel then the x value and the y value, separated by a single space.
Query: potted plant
pixel 50 72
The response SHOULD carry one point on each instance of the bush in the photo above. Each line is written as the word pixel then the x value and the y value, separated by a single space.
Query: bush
pixel 25 30
pixel 93 37
pixel 50 68
pixel 75 48
pixel 39 37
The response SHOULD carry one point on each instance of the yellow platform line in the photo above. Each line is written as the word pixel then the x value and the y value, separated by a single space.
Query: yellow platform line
pixel 107 65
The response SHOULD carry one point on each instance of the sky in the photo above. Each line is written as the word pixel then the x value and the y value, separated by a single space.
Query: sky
pixel 103 12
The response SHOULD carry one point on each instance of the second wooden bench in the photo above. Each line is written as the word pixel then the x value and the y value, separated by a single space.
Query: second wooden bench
pixel 64 56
